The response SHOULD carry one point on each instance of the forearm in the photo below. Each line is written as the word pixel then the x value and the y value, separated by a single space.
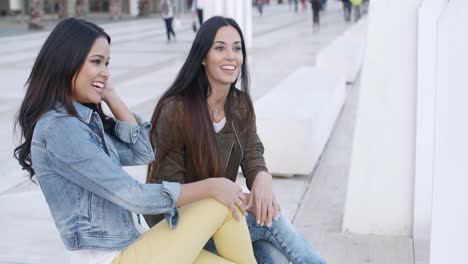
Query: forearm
pixel 192 192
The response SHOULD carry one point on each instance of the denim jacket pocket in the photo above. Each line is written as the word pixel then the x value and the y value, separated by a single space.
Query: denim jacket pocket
pixel 96 208
pixel 38 144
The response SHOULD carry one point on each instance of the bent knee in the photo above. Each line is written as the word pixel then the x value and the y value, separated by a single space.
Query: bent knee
pixel 212 206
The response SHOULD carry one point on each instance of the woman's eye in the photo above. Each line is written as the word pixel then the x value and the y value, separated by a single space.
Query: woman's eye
pixel 219 48
pixel 237 48
pixel 107 63
pixel 96 61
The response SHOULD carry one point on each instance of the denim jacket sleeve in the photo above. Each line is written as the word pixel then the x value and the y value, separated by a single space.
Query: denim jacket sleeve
pixel 132 142
pixel 84 163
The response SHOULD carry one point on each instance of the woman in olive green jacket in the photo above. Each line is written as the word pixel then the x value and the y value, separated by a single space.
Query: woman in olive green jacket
pixel 204 127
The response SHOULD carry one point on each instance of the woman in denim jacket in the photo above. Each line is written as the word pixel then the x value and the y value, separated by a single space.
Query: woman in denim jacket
pixel 76 153
pixel 204 112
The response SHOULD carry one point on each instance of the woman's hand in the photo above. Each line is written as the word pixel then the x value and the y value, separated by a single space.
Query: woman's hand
pixel 262 201
pixel 228 193
pixel 109 94
pixel 116 105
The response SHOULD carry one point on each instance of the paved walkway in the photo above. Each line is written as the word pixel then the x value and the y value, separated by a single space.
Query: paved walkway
pixel 142 66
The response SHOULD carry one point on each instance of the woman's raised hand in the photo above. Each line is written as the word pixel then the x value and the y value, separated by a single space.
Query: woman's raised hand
pixel 109 93
pixel 116 105
pixel 230 194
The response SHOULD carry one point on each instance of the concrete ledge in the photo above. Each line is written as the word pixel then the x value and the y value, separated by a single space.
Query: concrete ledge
pixel 295 119
pixel 346 53
pixel 29 234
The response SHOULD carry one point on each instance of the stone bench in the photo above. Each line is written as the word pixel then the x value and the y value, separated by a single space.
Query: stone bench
pixel 295 119
pixel 29 234
pixel 346 53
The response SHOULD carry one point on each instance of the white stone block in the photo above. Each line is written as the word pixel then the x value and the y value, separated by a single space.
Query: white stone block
pixel 29 234
pixel 295 119
pixel 346 53
pixel 379 198
pixel 449 230
pixel 428 15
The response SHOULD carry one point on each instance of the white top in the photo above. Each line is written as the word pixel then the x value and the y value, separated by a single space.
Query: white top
pixel 220 125
pixel 94 256
pixel 197 4
pixel 169 12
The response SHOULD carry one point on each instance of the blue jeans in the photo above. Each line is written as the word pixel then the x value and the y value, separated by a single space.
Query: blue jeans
pixel 265 252
pixel 278 244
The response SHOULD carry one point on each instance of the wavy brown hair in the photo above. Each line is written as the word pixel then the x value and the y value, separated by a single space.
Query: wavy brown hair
pixel 192 88
pixel 49 84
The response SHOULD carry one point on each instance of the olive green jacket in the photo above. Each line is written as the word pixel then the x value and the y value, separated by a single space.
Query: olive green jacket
pixel 238 145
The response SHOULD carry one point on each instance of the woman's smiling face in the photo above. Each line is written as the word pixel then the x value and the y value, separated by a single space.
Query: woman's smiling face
pixel 89 82
pixel 224 60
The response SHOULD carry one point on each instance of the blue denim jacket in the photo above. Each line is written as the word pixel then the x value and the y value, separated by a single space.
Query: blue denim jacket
pixel 90 196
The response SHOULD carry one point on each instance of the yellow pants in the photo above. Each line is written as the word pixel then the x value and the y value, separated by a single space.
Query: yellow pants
pixel 198 222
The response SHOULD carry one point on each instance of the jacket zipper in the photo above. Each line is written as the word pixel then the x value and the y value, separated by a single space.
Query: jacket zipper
pixel 229 156
pixel 238 141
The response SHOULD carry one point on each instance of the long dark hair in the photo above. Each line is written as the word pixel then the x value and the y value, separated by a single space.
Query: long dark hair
pixel 192 88
pixel 50 82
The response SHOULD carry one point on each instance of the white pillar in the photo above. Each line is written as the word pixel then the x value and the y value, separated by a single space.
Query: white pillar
pixel 239 10
pixel 71 8
pixel 230 8
pixel 381 177
pixel 449 237
pixel 133 7
pixel 429 13
pixel 16 5
pixel 213 8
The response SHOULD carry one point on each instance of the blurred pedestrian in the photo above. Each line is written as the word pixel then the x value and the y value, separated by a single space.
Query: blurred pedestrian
pixel 365 6
pixel 323 4
pixel 296 3
pixel 315 5
pixel 357 9
pixel 115 8
pixel 197 6
pixel 304 5
pixel 347 10
pixel 167 10
pixel 260 6
pixel 194 15
pixel 36 15
pixel 80 8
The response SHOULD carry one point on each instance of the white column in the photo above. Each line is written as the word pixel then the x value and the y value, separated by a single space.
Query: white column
pixel 213 8
pixel 71 8
pixel 429 13
pixel 248 30
pixel 381 178
pixel 16 5
pixel 230 8
pixel 449 237
pixel 239 10
pixel 133 7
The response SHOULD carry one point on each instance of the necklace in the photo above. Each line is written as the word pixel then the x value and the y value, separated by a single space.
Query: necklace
pixel 214 111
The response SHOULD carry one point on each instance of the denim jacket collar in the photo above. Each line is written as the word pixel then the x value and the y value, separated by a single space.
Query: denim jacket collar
pixel 84 113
